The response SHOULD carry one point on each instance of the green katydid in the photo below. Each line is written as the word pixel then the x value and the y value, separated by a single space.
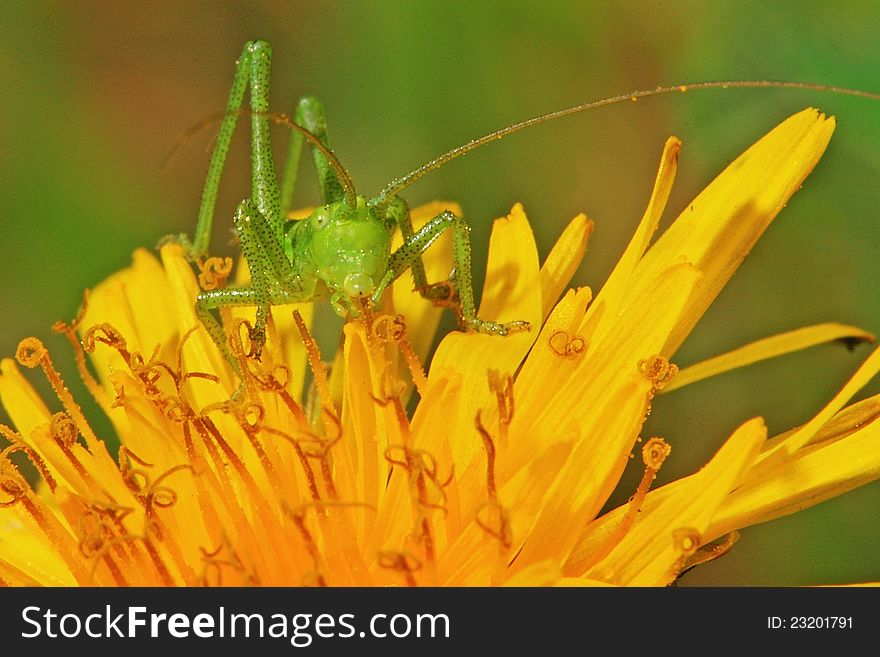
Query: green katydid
pixel 342 251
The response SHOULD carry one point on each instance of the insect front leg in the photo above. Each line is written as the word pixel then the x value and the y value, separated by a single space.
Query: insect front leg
pixel 398 213
pixel 272 281
pixel 411 251
pixel 214 299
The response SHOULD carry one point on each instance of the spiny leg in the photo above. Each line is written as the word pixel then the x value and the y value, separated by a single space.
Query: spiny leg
pixel 269 267
pixel 252 70
pixel 412 249
pixel 213 299
pixel 398 213
pixel 272 281
pixel 311 116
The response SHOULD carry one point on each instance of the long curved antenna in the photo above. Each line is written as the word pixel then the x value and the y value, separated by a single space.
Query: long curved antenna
pixel 187 134
pixel 280 119
pixel 396 186
pixel 341 173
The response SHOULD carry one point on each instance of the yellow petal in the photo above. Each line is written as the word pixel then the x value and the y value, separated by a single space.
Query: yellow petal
pixel 621 276
pixel 422 317
pixel 649 552
pixel 512 292
pixel 722 224
pixel 843 455
pixel 21 401
pixel 766 348
pixel 563 261
pixel 26 557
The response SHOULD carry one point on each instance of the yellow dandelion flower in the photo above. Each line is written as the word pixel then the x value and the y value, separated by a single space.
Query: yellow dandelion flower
pixel 319 476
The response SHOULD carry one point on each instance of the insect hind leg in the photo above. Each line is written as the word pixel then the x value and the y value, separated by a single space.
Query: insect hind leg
pixel 311 116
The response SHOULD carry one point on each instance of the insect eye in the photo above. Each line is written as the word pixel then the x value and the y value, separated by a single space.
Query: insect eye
pixel 321 217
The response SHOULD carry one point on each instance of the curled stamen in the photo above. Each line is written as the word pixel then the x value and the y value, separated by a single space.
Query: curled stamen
pixel 238 336
pixel 96 525
pixel 18 445
pixel 106 334
pixel 276 379
pixel 127 453
pixel 397 331
pixel 707 553
pixel 389 327
pixel 249 416
pixel 303 460
pixel 686 540
pixel 12 484
pixel 69 331
pixel 402 562
pixel 566 346
pixel 504 397
pixel 213 272
pixel 494 519
pixel 404 462
pixel 150 374
pixel 30 352
pixel 421 464
pixel 252 416
pixel 213 563
pixel 162 497
pixel 63 430
pixel 654 452
pixel 658 371
pixel 137 480
pixel 63 327
pixel 176 410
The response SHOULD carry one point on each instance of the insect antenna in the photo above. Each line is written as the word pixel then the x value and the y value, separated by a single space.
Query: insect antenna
pixel 396 186
pixel 188 134
pixel 280 119
pixel 341 173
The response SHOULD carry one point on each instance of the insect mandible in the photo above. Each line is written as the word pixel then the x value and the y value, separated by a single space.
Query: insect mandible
pixel 342 251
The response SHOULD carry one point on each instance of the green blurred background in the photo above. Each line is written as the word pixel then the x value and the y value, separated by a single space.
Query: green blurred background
pixel 96 94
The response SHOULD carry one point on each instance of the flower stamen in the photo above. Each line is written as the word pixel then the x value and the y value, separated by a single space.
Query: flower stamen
pixel 658 370
pixel 30 354
pixel 566 346
pixel 395 329
pixel 497 523
pixel 654 452
pixel 318 371
pixel 213 272
pixel 402 562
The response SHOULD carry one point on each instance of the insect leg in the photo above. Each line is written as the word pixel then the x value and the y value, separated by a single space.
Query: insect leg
pixel 252 69
pixel 310 115
pixel 398 212
pixel 268 265
pixel 211 299
pixel 411 250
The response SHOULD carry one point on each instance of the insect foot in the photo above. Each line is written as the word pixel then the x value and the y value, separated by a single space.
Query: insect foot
pixel 498 328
